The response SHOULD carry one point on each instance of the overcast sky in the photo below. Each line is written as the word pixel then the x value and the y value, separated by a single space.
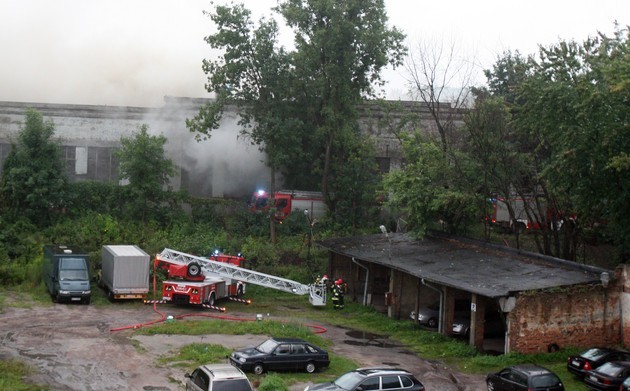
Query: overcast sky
pixel 135 52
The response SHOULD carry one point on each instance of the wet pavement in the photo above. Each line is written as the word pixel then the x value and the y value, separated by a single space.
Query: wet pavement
pixel 72 347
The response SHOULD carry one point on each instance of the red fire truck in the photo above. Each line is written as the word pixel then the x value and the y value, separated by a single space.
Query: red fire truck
pixel 529 213
pixel 204 280
pixel 287 201
pixel 189 283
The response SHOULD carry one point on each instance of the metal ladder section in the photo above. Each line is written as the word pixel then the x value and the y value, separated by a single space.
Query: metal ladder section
pixel 317 293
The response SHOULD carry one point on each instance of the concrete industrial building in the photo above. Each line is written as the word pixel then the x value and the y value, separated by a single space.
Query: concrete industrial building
pixel 89 135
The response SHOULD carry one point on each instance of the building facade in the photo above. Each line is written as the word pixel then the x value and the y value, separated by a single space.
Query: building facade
pixel 225 165
pixel 542 302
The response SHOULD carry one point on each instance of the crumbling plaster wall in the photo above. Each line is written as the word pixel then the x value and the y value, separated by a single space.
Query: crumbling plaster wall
pixel 579 316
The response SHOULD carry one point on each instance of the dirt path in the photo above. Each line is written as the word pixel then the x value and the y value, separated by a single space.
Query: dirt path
pixel 73 348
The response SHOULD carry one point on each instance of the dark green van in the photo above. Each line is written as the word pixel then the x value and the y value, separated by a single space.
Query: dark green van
pixel 67 273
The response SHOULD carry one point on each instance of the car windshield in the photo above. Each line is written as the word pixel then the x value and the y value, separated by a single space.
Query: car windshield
pixel 348 381
pixel 267 347
pixel 72 269
pixel 609 369
pixel 547 380
pixel 76 275
pixel 594 354
pixel 231 385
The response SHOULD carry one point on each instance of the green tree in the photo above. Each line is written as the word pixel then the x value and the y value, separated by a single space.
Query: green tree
pixel 495 154
pixel 513 148
pixel 564 135
pixel 33 177
pixel 355 184
pixel 299 107
pixel 341 48
pixel 583 128
pixel 426 190
pixel 143 164
pixel 253 74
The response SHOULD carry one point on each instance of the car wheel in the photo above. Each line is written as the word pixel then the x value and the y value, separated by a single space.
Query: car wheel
pixel 259 369
pixel 490 386
pixel 432 323
pixel 311 367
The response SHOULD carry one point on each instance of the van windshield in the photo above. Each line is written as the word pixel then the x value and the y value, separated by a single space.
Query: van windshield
pixel 72 269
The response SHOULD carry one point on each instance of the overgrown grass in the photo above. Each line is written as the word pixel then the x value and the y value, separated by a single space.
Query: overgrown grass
pixel 12 374
pixel 195 354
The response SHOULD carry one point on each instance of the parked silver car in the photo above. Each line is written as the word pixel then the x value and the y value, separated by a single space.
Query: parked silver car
pixel 217 377
pixel 429 315
pixel 494 325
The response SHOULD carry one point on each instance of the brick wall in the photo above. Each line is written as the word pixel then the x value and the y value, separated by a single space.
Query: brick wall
pixel 580 316
pixel 625 304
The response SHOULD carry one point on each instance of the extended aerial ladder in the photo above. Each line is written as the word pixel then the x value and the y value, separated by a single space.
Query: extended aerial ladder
pixel 316 292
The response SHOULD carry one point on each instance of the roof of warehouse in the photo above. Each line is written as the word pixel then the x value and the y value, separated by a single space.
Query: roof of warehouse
pixel 474 267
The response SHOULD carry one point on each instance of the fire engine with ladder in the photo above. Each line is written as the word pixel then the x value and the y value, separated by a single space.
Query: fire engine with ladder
pixel 204 280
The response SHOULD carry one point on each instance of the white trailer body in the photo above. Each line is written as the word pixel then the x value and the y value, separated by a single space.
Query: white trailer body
pixel 312 201
pixel 125 271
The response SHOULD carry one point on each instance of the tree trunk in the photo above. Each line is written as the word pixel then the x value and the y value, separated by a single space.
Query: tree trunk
pixel 326 172
pixel 272 207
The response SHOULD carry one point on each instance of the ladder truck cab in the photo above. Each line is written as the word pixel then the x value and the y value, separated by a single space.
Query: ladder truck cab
pixel 190 283
pixel 199 280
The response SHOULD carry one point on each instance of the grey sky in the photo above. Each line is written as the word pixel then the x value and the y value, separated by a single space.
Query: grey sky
pixel 135 52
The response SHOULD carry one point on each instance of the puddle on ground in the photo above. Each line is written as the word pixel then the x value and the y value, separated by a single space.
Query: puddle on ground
pixel 363 335
pixel 375 343
pixel 369 339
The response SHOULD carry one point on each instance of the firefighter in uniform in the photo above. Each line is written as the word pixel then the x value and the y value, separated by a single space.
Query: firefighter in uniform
pixel 322 285
pixel 338 291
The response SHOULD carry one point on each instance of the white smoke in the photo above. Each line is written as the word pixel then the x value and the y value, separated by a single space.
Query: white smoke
pixel 225 165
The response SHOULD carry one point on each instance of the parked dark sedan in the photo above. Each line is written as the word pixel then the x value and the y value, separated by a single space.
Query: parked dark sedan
pixel 281 354
pixel 594 357
pixel 609 376
pixel 526 377
pixel 390 379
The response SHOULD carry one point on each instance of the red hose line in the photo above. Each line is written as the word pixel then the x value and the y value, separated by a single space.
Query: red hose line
pixel 316 329
pixel 139 325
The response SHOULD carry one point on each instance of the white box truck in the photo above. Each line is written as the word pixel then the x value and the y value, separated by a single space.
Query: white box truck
pixel 125 272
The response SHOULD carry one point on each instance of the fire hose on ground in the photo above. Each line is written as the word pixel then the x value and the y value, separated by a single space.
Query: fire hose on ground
pixel 316 329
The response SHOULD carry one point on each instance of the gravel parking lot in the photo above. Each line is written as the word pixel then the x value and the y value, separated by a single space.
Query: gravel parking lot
pixel 73 347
